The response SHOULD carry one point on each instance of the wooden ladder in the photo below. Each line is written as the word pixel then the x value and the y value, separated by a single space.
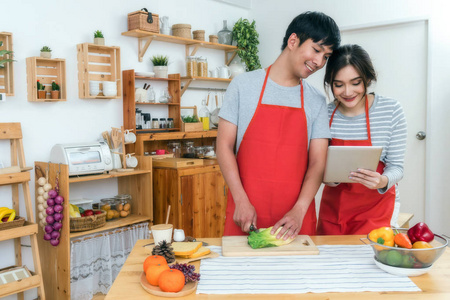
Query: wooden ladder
pixel 13 132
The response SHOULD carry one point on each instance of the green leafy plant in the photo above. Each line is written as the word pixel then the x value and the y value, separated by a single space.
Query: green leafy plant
pixel 46 49
pixel 160 60
pixel 40 86
pixel 246 37
pixel 190 119
pixel 263 238
pixel 2 53
pixel 98 34
pixel 55 86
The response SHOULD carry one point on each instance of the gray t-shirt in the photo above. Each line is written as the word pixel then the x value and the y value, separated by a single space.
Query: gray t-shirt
pixel 242 96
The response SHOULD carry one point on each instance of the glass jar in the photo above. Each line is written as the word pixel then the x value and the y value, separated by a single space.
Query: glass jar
pixel 174 147
pixel 191 66
pixel 162 123
pixel 170 123
pixel 225 35
pixel 199 152
pixel 151 97
pixel 204 115
pixel 109 205
pixel 155 123
pixel 189 150
pixel 123 204
pixel 209 152
pixel 202 67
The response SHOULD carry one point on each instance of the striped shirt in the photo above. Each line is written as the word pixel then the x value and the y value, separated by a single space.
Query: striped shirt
pixel 388 129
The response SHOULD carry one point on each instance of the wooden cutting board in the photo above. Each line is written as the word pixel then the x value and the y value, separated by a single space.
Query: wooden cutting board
pixel 238 246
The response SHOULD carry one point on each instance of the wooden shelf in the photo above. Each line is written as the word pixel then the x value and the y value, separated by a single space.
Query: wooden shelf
pixel 14 178
pixel 20 285
pixel 142 137
pixel 107 176
pixel 147 103
pixel 155 78
pixel 7 73
pixel 46 70
pixel 148 37
pixel 115 223
pixel 189 79
pixel 17 232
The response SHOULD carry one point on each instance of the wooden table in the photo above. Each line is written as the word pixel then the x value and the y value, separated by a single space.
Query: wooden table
pixel 435 284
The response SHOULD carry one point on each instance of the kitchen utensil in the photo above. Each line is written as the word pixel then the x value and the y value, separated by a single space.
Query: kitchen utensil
pixel 107 139
pixel 178 235
pixel 253 228
pixel 224 71
pixel 116 136
pixel 236 67
pixel 162 232
pixel 215 113
pixel 132 161
pixel 238 246
pixel 410 272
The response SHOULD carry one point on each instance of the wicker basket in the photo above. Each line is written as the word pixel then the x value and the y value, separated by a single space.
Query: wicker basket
pixel 213 38
pixel 17 222
pixel 88 223
pixel 140 20
pixel 199 35
pixel 182 30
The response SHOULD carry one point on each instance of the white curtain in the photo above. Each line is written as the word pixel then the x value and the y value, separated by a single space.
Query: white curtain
pixel 96 259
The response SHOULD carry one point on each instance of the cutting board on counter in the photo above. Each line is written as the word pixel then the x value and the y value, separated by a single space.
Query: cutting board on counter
pixel 175 163
pixel 238 246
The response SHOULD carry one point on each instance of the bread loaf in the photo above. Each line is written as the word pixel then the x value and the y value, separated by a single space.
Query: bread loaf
pixel 200 252
pixel 185 248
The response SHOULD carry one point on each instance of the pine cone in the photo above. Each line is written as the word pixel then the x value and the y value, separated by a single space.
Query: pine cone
pixel 164 249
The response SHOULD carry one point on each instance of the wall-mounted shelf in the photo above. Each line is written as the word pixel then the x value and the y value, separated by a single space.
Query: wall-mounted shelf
pixel 145 39
pixel 189 79
pixel 46 70
pixel 7 73
pixel 98 63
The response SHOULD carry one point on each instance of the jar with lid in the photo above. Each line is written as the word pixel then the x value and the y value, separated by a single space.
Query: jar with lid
pixel 199 152
pixel 123 204
pixel 138 118
pixel 191 66
pixel 155 123
pixel 189 151
pixel 109 205
pixel 209 152
pixel 202 67
pixel 174 147
pixel 162 123
pixel 170 123
pixel 151 97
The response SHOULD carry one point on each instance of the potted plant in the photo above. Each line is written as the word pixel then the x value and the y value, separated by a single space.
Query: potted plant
pixel 3 60
pixel 160 68
pixel 46 52
pixel 246 37
pixel 98 38
pixel 41 90
pixel 55 90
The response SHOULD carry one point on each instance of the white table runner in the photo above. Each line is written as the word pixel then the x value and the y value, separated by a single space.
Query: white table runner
pixel 338 268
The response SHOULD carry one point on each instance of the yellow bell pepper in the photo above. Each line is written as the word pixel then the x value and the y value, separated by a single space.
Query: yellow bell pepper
pixel 383 236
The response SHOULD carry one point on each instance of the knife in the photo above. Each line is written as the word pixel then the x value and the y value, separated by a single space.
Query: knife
pixel 253 228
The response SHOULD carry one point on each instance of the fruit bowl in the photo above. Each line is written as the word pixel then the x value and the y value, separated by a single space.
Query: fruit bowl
pixel 399 271
pixel 403 258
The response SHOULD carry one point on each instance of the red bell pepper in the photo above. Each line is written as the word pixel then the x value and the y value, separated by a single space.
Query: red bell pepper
pixel 420 232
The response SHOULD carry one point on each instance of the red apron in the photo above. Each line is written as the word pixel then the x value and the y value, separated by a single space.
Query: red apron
pixel 352 208
pixel 272 161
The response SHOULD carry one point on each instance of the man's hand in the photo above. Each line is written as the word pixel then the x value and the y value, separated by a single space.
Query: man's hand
pixel 292 223
pixel 244 215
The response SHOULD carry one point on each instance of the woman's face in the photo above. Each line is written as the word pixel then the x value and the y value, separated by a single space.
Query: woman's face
pixel 348 88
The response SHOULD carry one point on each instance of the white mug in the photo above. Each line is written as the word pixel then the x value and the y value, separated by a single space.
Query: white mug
pixel 132 161
pixel 129 137
pixel 178 235
pixel 224 72
pixel 162 232
pixel 214 73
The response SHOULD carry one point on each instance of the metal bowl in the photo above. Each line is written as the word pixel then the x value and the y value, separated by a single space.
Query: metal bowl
pixel 409 258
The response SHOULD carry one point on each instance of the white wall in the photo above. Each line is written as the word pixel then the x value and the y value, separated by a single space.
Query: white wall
pixel 62 25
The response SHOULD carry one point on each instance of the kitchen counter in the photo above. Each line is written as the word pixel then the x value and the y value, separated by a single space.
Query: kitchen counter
pixel 435 284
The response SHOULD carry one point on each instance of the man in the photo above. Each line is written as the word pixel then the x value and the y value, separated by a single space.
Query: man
pixel 273 117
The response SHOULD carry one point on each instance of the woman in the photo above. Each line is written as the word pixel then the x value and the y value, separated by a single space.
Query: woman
pixel 358 118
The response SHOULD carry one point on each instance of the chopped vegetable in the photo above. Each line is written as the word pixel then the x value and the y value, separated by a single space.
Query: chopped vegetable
pixel 402 240
pixel 383 236
pixel 420 232
pixel 264 239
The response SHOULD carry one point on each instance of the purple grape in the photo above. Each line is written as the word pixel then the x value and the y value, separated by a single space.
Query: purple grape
pixel 188 271
pixel 55 235
pixel 47 236
pixel 50 220
pixel 50 202
pixel 48 228
pixel 54 242
pixel 59 199
pixel 52 194
pixel 58 217
pixel 57 226
pixel 49 210
pixel 58 207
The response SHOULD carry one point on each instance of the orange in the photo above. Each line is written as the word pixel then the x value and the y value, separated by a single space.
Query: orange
pixel 424 256
pixel 154 271
pixel 171 280
pixel 154 260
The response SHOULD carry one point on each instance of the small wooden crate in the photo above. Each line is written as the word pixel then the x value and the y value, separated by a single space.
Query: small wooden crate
pixel 98 63
pixel 7 73
pixel 140 20
pixel 189 127
pixel 88 223
pixel 46 70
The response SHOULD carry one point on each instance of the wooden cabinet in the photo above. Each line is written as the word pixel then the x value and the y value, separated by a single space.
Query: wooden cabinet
pixel 197 195
pixel 57 259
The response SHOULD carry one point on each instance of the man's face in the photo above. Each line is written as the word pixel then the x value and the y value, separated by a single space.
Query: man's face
pixel 309 57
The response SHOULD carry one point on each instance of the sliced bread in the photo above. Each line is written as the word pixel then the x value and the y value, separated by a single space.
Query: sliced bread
pixel 200 252
pixel 185 248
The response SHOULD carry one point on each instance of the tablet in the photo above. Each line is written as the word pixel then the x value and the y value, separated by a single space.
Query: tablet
pixel 341 160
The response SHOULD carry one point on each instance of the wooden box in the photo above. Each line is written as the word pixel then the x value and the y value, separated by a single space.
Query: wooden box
pixel 175 163
pixel 189 127
pixel 140 20
pixel 7 73
pixel 46 70
pixel 98 63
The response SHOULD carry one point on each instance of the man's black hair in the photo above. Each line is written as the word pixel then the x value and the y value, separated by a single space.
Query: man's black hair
pixel 316 26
